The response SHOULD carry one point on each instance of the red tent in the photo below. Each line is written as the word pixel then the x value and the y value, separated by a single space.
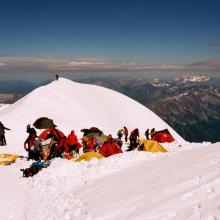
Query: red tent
pixel 162 136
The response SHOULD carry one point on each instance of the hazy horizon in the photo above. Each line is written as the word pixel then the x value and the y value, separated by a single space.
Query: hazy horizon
pixel 104 39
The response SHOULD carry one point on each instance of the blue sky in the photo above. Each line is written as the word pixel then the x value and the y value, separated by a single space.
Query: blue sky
pixel 107 35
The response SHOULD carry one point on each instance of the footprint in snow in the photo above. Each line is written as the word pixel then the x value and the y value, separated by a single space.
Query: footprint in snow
pixel 88 217
pixel 216 163
pixel 197 210
pixel 197 180
pixel 210 192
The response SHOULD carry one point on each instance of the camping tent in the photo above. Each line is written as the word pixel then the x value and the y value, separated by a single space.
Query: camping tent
pixel 162 136
pixel 89 155
pixel 151 146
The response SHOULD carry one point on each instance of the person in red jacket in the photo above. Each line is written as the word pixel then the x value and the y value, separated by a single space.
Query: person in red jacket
pixel 72 142
pixel 126 134
pixel 133 139
pixel 109 147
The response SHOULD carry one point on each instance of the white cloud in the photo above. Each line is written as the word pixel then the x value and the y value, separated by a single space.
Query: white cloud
pixel 41 65
pixel 89 62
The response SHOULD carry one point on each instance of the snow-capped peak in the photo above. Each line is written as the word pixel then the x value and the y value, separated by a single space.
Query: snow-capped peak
pixel 193 78
pixel 160 83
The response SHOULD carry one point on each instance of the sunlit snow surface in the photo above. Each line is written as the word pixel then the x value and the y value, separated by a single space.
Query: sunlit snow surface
pixel 181 184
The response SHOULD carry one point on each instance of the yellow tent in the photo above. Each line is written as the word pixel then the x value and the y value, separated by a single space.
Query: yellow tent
pixel 6 159
pixel 89 155
pixel 151 146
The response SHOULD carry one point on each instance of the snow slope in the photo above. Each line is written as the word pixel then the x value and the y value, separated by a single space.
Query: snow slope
pixel 180 185
pixel 75 106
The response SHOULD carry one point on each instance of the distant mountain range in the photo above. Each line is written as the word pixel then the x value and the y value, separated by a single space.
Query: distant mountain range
pixel 190 104
pixel 12 90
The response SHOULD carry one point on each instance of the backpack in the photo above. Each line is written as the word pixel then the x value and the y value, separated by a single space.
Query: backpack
pixel 29 172
pixel 34 168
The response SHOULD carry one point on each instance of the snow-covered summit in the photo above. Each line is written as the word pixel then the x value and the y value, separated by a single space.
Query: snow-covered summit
pixel 75 106
pixel 193 78
pixel 160 83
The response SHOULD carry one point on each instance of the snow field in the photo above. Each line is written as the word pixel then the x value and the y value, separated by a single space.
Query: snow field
pixel 132 185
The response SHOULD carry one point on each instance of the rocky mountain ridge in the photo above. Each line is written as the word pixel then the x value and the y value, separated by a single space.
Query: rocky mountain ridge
pixel 190 104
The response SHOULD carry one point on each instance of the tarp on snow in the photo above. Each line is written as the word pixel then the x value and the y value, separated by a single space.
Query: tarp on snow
pixel 6 159
pixel 89 155
pixel 162 136
pixel 151 146
pixel 44 123
pixel 91 130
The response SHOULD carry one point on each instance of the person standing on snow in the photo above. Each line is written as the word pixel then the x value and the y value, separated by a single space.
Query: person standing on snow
pixel 152 132
pixel 57 77
pixel 126 134
pixel 29 143
pixel 2 134
pixel 134 139
pixel 147 134
pixel 120 133
pixel 72 142
pixel 31 131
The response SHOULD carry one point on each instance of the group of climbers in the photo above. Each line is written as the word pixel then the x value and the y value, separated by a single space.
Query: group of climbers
pixel 134 136
pixel 53 143
pixel 95 141
pixel 50 143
